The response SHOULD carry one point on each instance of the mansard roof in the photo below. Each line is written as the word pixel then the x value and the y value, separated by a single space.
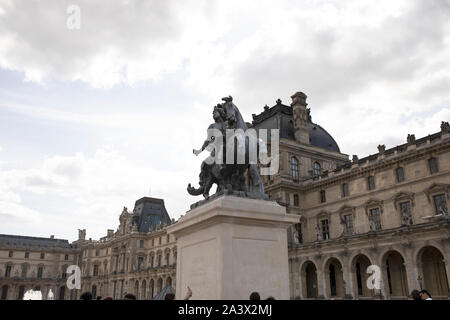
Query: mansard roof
pixel 27 242
pixel 150 213
pixel 318 136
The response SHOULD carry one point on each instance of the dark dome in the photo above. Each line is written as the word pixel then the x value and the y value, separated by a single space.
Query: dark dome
pixel 319 137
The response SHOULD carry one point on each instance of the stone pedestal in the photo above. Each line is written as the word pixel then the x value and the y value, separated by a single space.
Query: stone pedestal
pixel 232 246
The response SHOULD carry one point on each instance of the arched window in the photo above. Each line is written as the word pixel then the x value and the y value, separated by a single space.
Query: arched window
pixel 294 168
pixel 316 169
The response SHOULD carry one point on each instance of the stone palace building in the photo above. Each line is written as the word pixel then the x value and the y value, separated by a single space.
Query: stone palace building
pixel 388 210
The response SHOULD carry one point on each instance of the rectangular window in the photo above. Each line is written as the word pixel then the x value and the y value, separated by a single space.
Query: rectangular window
pixel 27 255
pixel 141 244
pixel 168 238
pixel 140 263
pixel 167 259
pixel 323 197
pixel 8 272
pixel 371 182
pixel 96 253
pixel 375 219
pixel 159 261
pixel 95 272
pixel 440 204
pixel 66 257
pixel 432 163
pixel 152 262
pixel 153 242
pixel 400 174
pixel 349 223
pixel 345 191
pixel 405 207
pixel 24 271
pixel 40 271
pixel 296 201
pixel 298 233
pixel 10 254
pixel 325 229
pixel 42 255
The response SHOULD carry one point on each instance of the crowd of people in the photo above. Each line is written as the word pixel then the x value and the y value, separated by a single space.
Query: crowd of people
pixel 415 295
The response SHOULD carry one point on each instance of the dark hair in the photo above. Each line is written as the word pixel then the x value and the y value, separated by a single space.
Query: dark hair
pixel 130 296
pixel 99 297
pixel 86 296
pixel 415 294
pixel 270 298
pixel 255 296
pixel 169 296
pixel 108 298
pixel 426 292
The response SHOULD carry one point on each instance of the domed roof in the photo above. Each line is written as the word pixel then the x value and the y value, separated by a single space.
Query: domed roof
pixel 319 137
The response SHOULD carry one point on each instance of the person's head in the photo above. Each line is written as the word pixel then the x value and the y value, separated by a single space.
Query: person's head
pixel 270 298
pixel 415 295
pixel 255 296
pixel 169 296
pixel 107 298
pixel 99 297
pixel 130 296
pixel 86 296
pixel 424 294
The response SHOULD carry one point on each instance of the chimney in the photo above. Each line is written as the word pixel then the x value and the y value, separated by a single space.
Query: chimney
pixel 300 112
pixel 110 233
pixel 52 237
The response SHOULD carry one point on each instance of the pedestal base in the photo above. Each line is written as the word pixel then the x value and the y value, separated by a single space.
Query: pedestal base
pixel 232 246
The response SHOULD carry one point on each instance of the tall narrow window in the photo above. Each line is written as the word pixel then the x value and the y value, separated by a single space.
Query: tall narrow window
pixel 66 257
pixel 24 270
pixel 298 233
pixel 140 263
pixel 141 244
pixel 348 218
pixel 432 163
pixel 167 259
pixel 406 215
pixel 375 219
pixel 21 292
pixel 168 238
pixel 345 191
pixel 296 202
pixel 8 272
pixel 27 255
pixel 323 197
pixel 96 253
pixel 152 262
pixel 42 255
pixel 440 204
pixel 4 292
pixel 316 169
pixel 159 261
pixel 10 254
pixel 159 240
pixel 371 182
pixel 400 174
pixel 95 273
pixel 325 229
pixel 39 273
pixel 294 168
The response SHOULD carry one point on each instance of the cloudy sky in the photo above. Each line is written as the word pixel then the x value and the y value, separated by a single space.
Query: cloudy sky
pixel 96 117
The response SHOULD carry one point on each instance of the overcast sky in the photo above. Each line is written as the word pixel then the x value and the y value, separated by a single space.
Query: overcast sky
pixel 94 118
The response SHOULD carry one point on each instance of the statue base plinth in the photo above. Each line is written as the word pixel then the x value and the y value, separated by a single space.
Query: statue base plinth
pixel 230 246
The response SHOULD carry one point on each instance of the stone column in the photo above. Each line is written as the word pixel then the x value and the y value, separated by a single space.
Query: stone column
pixel 348 281
pixel 321 288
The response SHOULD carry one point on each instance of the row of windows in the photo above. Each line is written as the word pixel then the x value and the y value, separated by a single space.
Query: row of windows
pixel 400 175
pixel 24 271
pixel 27 255
pixel 293 163
pixel 374 216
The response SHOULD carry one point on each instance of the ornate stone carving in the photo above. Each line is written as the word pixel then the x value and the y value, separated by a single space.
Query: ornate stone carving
pixel 411 139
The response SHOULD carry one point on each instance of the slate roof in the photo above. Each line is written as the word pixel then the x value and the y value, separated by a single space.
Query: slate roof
pixel 149 213
pixel 318 136
pixel 24 241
